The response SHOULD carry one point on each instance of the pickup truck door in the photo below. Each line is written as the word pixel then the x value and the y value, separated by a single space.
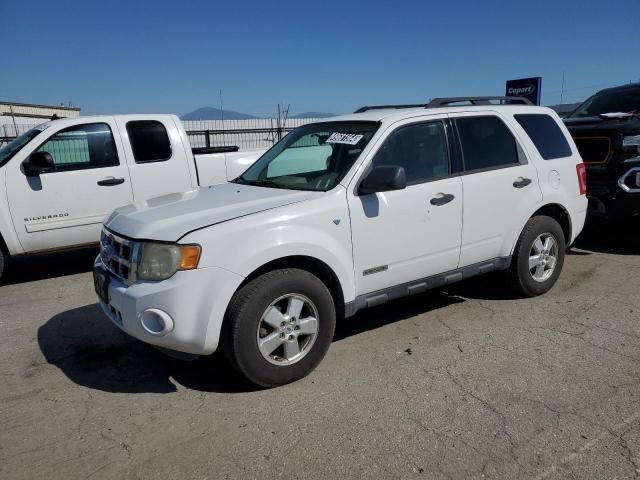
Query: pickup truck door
pixel 158 154
pixel 405 235
pixel 66 207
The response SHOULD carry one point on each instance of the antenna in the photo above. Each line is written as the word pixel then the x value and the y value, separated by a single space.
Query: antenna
pixel 562 90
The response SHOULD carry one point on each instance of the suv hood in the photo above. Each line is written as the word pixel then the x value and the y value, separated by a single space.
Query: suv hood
pixel 170 217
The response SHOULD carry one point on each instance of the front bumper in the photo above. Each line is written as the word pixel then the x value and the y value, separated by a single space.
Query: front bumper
pixel 613 189
pixel 194 300
pixel 616 204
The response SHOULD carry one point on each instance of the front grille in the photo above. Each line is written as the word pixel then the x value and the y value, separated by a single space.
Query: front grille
pixel 118 255
pixel 594 149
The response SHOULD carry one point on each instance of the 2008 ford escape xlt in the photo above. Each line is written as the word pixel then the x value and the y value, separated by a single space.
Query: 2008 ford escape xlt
pixel 341 215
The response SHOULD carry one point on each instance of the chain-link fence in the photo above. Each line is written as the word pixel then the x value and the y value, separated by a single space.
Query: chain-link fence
pixel 10 131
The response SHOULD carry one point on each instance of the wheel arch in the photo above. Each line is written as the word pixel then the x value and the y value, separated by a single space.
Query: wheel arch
pixel 3 246
pixel 559 214
pixel 310 264
pixel 552 210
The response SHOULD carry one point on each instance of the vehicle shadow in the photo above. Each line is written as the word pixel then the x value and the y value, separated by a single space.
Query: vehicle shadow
pixel 94 353
pixel 29 268
pixel 609 237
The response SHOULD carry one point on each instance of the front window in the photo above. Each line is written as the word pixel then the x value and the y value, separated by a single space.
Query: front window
pixel 312 157
pixel 84 146
pixel 15 145
pixel 616 101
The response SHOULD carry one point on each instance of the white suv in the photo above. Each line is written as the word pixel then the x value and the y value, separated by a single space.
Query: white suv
pixel 341 215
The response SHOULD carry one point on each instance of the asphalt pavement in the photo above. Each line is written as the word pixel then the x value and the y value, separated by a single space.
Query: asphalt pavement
pixel 463 382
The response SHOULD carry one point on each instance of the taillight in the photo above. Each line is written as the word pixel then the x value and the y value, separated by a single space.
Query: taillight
pixel 581 171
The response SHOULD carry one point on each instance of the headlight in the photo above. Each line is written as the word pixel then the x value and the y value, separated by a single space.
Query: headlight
pixel 159 261
pixel 633 140
pixel 631 146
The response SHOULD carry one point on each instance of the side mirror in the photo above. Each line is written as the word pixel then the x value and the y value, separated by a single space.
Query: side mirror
pixel 383 178
pixel 37 163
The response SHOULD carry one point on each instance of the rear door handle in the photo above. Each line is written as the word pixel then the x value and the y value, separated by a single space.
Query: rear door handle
pixel 110 181
pixel 521 182
pixel 442 199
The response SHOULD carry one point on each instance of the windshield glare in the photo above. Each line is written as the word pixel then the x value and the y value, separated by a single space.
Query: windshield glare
pixel 14 146
pixel 312 157
pixel 624 101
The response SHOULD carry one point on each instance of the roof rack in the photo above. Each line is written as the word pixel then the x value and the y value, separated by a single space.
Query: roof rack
pixel 382 107
pixel 444 102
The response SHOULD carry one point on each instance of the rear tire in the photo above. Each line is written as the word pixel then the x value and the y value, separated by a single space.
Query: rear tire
pixel 538 257
pixel 279 327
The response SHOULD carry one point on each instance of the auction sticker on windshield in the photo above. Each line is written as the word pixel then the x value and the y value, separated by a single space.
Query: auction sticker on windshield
pixel 347 138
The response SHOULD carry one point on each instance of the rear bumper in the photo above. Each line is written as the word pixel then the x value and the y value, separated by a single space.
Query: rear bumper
pixel 193 303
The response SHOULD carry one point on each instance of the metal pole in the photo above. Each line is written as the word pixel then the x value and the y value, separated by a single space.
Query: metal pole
pixel 15 127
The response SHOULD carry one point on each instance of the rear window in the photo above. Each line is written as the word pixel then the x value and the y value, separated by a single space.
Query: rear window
pixel 149 141
pixel 545 135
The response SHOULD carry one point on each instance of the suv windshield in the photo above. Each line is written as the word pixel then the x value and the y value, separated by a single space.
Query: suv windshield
pixel 14 146
pixel 625 101
pixel 312 157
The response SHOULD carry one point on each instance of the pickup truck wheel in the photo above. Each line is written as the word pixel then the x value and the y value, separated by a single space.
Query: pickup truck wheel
pixel 538 257
pixel 279 327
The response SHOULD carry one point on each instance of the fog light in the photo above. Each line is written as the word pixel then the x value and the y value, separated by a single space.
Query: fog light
pixel 156 322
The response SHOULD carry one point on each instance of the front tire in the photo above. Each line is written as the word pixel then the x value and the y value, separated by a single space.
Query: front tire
pixel 538 258
pixel 279 326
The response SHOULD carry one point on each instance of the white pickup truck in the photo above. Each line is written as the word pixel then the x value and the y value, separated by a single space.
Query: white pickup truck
pixel 59 180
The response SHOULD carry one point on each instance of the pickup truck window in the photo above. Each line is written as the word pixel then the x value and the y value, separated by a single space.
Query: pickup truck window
pixel 82 146
pixel 486 143
pixel 421 149
pixel 15 145
pixel 149 141
pixel 312 157
pixel 545 135
pixel 613 101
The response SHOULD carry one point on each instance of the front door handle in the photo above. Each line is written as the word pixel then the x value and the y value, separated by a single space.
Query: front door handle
pixel 442 199
pixel 521 182
pixel 110 181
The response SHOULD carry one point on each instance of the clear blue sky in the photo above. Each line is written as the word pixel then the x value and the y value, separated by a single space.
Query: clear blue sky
pixel 174 56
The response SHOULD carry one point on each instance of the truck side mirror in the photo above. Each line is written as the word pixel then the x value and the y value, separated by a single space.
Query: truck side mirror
pixel 37 163
pixel 383 178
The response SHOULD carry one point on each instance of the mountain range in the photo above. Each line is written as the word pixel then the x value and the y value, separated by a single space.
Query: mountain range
pixel 211 113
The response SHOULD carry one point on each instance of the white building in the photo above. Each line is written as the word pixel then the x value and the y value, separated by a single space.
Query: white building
pixel 22 116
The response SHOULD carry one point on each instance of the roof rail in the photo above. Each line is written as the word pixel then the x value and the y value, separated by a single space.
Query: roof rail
pixel 382 107
pixel 444 102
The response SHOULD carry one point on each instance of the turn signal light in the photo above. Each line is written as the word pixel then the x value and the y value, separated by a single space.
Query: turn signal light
pixel 189 256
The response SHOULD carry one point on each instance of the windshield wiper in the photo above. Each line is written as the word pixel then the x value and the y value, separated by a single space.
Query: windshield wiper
pixel 258 183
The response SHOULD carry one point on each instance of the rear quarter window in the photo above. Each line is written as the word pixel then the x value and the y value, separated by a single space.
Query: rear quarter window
pixel 149 141
pixel 545 134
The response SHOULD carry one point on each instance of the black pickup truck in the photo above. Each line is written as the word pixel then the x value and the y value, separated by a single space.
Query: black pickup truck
pixel 606 129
